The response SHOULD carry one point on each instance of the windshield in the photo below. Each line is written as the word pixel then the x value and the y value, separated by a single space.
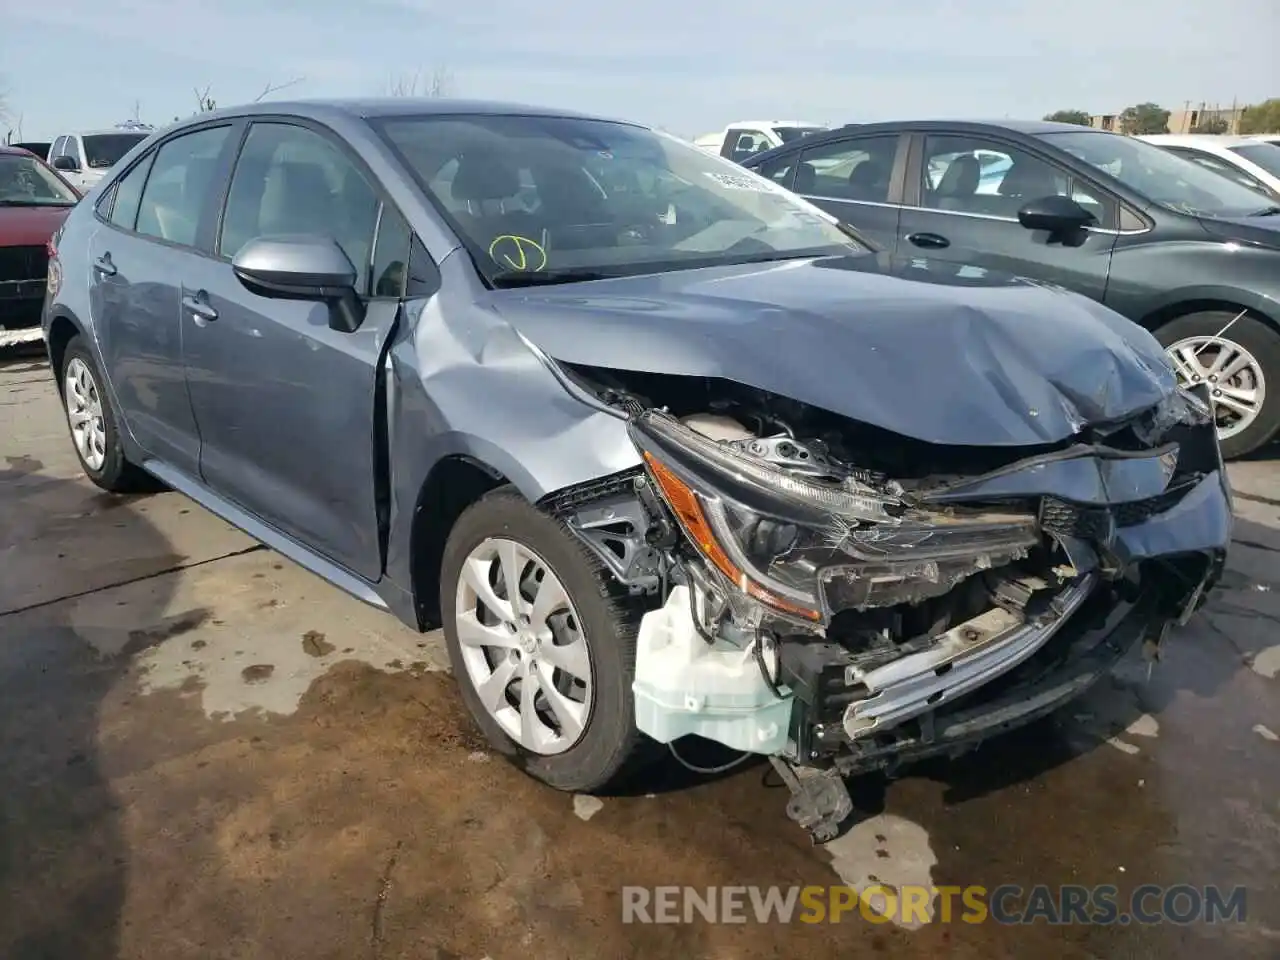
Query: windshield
pixel 102 150
pixel 26 182
pixel 1265 155
pixel 1160 176
pixel 537 199
pixel 787 134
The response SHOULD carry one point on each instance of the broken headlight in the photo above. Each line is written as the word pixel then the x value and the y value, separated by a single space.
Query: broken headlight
pixel 772 534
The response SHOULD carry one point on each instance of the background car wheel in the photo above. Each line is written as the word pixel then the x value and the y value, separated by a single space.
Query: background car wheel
pixel 548 676
pixel 1240 360
pixel 92 422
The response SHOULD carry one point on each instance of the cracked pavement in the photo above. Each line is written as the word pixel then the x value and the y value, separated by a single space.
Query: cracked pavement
pixel 206 752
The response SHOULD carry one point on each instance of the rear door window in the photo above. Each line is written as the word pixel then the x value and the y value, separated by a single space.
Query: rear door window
pixel 860 168
pixel 128 195
pixel 741 143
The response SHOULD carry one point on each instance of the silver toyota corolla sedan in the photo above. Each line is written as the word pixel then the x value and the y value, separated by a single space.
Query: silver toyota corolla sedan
pixel 668 451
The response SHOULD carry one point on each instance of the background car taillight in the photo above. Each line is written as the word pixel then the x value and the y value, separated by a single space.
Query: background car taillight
pixel 54 280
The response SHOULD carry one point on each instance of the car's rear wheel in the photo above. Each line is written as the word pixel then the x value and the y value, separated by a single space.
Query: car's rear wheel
pixel 93 424
pixel 542 648
pixel 1238 356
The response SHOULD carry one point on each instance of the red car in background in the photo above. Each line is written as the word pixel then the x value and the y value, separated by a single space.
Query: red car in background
pixel 34 200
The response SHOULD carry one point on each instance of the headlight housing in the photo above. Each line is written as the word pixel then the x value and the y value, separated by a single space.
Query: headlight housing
pixel 783 539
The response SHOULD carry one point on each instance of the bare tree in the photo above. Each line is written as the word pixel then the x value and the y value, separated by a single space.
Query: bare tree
pixel 271 88
pixel 204 102
pixel 414 84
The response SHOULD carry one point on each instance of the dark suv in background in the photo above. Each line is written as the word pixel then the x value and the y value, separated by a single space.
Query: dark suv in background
pixel 1186 253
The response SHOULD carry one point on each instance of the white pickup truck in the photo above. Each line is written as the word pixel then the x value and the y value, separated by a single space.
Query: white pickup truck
pixel 740 140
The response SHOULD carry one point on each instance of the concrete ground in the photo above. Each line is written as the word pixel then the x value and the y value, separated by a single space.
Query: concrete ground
pixel 206 752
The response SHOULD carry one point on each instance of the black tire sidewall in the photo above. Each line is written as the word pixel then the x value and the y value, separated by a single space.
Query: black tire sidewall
pixel 116 473
pixel 1259 339
pixel 610 738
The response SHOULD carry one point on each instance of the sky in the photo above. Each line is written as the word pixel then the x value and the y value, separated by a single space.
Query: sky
pixel 689 66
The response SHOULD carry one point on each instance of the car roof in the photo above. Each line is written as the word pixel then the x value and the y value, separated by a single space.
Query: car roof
pixel 775 123
pixel 7 150
pixel 377 107
pixel 1026 128
pixel 102 131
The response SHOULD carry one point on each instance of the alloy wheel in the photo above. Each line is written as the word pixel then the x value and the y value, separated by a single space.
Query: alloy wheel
pixel 523 646
pixel 1236 382
pixel 84 414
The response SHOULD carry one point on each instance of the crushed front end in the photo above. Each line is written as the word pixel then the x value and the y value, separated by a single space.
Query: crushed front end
pixel 843 599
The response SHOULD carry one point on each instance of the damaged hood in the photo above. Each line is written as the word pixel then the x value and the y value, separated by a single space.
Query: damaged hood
pixel 939 352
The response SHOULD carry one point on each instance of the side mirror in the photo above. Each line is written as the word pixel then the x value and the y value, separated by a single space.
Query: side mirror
pixel 1055 214
pixel 304 267
pixel 66 164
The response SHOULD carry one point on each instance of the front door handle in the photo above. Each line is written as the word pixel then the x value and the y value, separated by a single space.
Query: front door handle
pixel 199 308
pixel 930 241
pixel 104 265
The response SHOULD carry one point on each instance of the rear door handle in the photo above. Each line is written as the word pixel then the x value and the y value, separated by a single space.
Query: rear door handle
pixel 199 308
pixel 930 241
pixel 104 265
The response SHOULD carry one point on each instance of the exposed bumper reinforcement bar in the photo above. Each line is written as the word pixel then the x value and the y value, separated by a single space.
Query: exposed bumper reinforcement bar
pixel 965 657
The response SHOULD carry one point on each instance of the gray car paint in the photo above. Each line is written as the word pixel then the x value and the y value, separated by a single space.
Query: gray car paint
pixel 877 339
pixel 251 426
pixel 280 404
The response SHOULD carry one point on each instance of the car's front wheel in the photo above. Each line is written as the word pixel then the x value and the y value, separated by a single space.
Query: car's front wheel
pixel 542 647
pixel 1238 356
pixel 93 424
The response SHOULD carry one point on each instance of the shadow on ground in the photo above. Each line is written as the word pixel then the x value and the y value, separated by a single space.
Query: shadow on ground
pixel 63 862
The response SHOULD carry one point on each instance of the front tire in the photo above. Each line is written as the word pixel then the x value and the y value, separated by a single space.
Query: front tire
pixel 548 677
pixel 1239 357
pixel 93 424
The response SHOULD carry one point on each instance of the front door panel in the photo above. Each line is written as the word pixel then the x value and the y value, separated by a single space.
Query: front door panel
pixel 285 407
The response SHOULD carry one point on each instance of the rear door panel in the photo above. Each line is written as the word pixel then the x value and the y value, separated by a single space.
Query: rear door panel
pixel 837 177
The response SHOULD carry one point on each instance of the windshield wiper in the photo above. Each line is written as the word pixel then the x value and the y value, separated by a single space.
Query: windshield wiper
pixel 542 278
pixel 1266 212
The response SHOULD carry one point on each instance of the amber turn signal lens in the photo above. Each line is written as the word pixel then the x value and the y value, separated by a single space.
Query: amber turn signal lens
pixel 684 502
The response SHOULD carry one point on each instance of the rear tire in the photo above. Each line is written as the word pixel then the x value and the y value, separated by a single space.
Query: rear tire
pixel 92 421
pixel 1246 336
pixel 608 746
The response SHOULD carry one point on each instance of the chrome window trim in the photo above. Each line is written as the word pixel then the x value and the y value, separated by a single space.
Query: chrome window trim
pixel 963 213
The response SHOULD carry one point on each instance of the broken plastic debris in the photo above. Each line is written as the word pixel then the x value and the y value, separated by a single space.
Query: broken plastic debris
pixel 585 807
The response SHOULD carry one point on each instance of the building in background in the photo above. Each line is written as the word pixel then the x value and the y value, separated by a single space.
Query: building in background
pixel 1190 119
